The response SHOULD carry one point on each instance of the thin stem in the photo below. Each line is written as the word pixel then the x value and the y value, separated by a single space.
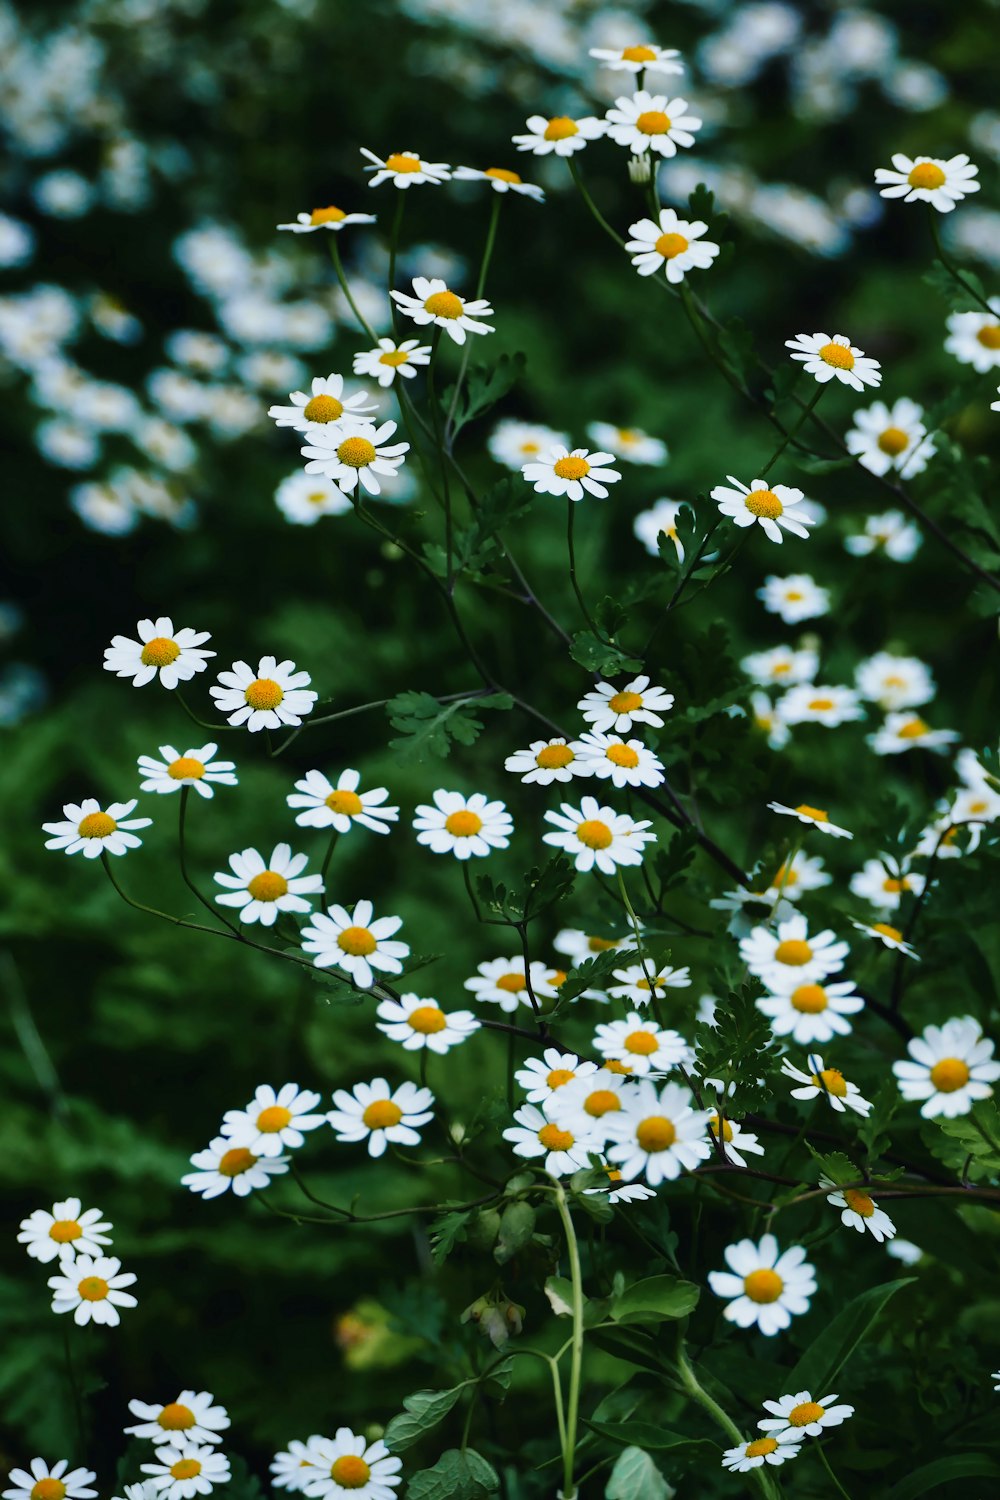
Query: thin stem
pixel 804 414
pixel 576 1347
pixel 338 267
pixel 571 549
pixel 182 853
pixel 691 1387
pixel 484 265
pixel 833 1478
pixel 74 1387
pixel 950 266
pixel 327 857
pixel 588 200
pixel 202 723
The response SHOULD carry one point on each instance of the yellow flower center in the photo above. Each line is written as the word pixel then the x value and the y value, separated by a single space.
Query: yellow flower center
pixel 625 703
pixel 274 1118
pixel 350 1472
pixel 644 1043
pixel 817 814
pixel 793 951
pixel 329 215
pixel 913 729
pixel 831 1082
pixel 554 1139
pixel 727 1129
pixel 653 122
pixel 502 174
pixel 176 1418
pixel 601 1102
pixel 594 834
pixel 160 652
pixel 96 826
pixel 601 945
pixel 561 128
pixel 806 1411
pixel 622 755
pixel 186 768
pixel 264 692
pixel 48 1489
pixel 427 1019
pixel 236 1161
pixel 571 467
pixel 559 1077
pixel 893 441
pixel 886 931
pixel 393 357
pixel 397 162
pixel 949 1074
pixel 356 452
pixel 268 886
pixel 763 1286
pixel 554 757
pixel 764 503
pixel 463 824
pixel 614 1066
pixel 974 807
pixel 989 336
pixel 837 355
pixel 511 984
pixel 317 497
pixel 638 54
pixel 669 245
pixel 348 803
pixel 382 1114
pixel 925 175
pixel 760 1447
pixel 186 1468
pixel 785 877
pixel 63 1231
pixel 93 1288
pixel 821 705
pixel 810 999
pixel 444 305
pixel 894 887
pixel 858 1203
pixel 655 1133
pixel 357 941
pixel 323 409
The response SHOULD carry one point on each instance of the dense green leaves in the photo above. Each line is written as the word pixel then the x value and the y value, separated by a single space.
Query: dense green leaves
pixel 655 1300
pixel 429 726
pixel 457 1475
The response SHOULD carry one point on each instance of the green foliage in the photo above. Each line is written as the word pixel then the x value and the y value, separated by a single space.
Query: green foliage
pixel 826 1356
pixel 636 1477
pixel 457 1475
pixel 602 656
pixel 484 386
pixel 740 1047
pixel 430 727
pixel 423 1411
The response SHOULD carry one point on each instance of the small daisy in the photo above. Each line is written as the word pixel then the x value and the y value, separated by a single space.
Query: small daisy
pixel 890 533
pixel 598 836
pixel 274 1120
pixel 657 1135
pixel 929 179
pixel 815 817
pixel 759 503
pixel 651 122
pixel 192 1415
pixel 607 708
pixel 161 651
pixel 764 1286
pixel 513 444
pixel 764 1450
pixel 463 826
pixel 380 1115
pixel 672 243
pixel 804 873
pixel 325 402
pixel 261 890
pixel 195 768
pixel 304 498
pixel 502 180
pixel 348 1465
pixel 660 520
pixel 809 703
pixel 644 57
pixel 50 1482
pixel 642 1044
pixel 574 473
pixel 545 761
pixel 620 1191
pixel 540 1077
pixel 767 720
pixel 834 358
pixel 860 1212
pixel 826 1083
pixel 340 807
pixel 504 982
pixel 894 682
pixel 886 438
pixel 628 442
pixel 633 983
pixel 890 937
pixel 434 302
pixel 625 762
pixel 752 907
pixel 355 943
pixel 580 946
pixel 96 830
pixel 735 1139
pixel 64 1233
pixel 419 1023
pixel 812 1012
pixel 907 731
pixel 390 359
pixel 790 956
pixel 952 1067
pixel 91 1288
pixel 275 694
pixel 355 453
pixel 559 134
pixel 186 1469
pixel 326 218
pixel 405 169
pixel 781 666
pixel 534 1134
pixel 223 1166
pixel 795 598
pixel 287 1466
pixel 586 1103
pixel 974 338
pixel 885 887
pixel 803 1414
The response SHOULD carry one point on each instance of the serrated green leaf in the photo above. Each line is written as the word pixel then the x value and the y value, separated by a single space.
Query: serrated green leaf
pixel 429 726
pixel 457 1475
pixel 601 656
pixel 636 1477
pixel 423 1411
pixel 484 386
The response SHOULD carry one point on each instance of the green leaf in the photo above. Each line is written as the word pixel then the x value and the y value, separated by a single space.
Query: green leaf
pixel 672 863
pixel 560 1294
pixel 496 1382
pixel 422 1412
pixel 636 1477
pixel 943 282
pixel 447 1232
pixel 635 1348
pixel 592 974
pixel 810 465
pixel 835 1165
pixel 601 656
pixel 428 726
pixel 740 1047
pixel 873 1131
pixel 976 1134
pixel 484 387
pixel 736 347
pixel 942 1471
pixel 638 1434
pixel 655 1300
pixel 502 503
pixel 832 1348
pixel 456 1476
pixel 517 1225
pixel 540 889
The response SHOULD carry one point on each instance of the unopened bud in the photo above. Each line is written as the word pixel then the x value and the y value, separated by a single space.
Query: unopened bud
pixel 640 168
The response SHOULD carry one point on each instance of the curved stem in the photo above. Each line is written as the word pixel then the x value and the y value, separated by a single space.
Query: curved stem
pixel 182 851
pixel 571 549
pixel 576 1347
pixel 833 1478
pixel 803 416
pixel 338 267
pixel 951 268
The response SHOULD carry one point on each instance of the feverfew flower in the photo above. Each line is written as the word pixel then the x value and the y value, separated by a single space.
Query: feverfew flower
pixel 884 886
pixel 890 533
pixel 303 498
pixel 376 1113
pixel 274 1120
pixel 735 1140
pixel 356 943
pixel 222 1167
pixel 73 1485
pixel 640 1043
pixel 631 443
pixel 513 444
pixel 196 768
pixel 501 180
pixel 860 1212
pixel 355 453
pixel 891 437
pixel 763 1450
pixel 834 358
pixel 764 1286
pixel 540 1077
pixel 64 1233
pixel 575 473
pixel 161 651
pixel 419 1023
pixel 637 984
pixel 544 761
pixel 192 1417
pixel 672 243
pixel 657 1134
pixel 760 503
pixel 287 1466
pixel 263 889
pixel 952 1067
pixel 894 682
pixel 804 873
pixel 608 708
pixel 623 762
pixel 95 830
pixel 275 694
pixel 559 134
pixel 348 1465
pixel 781 666
pixel 815 817
pixel 644 57
pixel 598 836
pixel 463 826
pixel 434 302
pixel 803 1414
pixel 534 1134
pixel 974 338
pixel 326 218
pixel 907 731
pixel 827 1083
pixel 390 359
pixel 812 1012
pixel 659 520
pixel 795 598
pixel 340 807
pixel 768 721
pixel 928 179
pixel 791 956
pixel 824 704
pixel 186 1469
pixel 504 982
pixel 405 169
pixel 325 402
pixel 92 1289
pixel 586 1103
pixel 648 122
pixel 889 937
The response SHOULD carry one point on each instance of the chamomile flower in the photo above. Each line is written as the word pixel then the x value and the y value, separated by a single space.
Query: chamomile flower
pixel 357 942
pixel 768 721
pixel 659 521
pixel 597 836
pixel 826 1083
pixel 463 826
pixel 262 889
pixel 763 1450
pixel 886 438
pixel 950 1068
pixel 623 762
pixel 640 1043
pixel 501 180
pixel 794 598
pixel 620 1191
pixel 540 1077
pixel 670 243
pixel 92 1288
pixel 55 1482
pixel 355 453
pixel 764 1286
pixel 907 731
pixel 161 651
pixel 323 403
pixel 192 1417
pixel 304 498
pixel 559 134
pixel 885 887
pixel 790 956
pixel 630 443
pixel 342 806
pixel 647 122
pixel 995 405
pixel 580 946
pixel 348 1464
pixel 803 1414
pixel 389 359
pixel 69 1230
pixel 433 301
pixel 735 1140
pixel 750 907
pixel 890 533
pixel 770 506
pixel 505 982
pixel 273 695
pixel 95 830
pixel 643 57
pixel 196 768
pixel 287 1467
pixel 609 709
pixel 860 1212
pixel 186 1469
pixel 586 1103
pixel 834 358
pixel 223 1167
pixel 545 761
pixel 405 169
pixel 573 474
pixel 812 1011
pixel 634 983
pixel 805 872
pixel 657 1134
pixel 974 338
pixel 274 1120
pixel 928 179
pixel 781 666
pixel 534 1135
pixel 375 1113
pixel 809 703
pixel 894 682
pixel 326 218
pixel 889 937
pixel 814 817
pixel 419 1023
pixel 514 444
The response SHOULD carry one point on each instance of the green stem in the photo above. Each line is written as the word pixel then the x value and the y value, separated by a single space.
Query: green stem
pixel 636 928
pixel 484 265
pixel 571 549
pixel 691 1387
pixel 338 267
pixel 804 415
pixel 833 1478
pixel 588 200
pixel 182 851
pixel 950 266
pixel 74 1387
pixel 576 1347
pixel 328 856
pixel 436 422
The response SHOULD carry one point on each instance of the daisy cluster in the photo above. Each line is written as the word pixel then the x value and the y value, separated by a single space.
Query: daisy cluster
pixel 89 1283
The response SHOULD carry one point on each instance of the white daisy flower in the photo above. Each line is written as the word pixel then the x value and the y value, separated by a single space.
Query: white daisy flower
pixel 348 1465
pixel 768 721
pixel 890 533
pixel 161 651
pixel 585 1104
pixel 274 1120
pixel 463 826
pixel 761 503
pixel 50 1482
pixel 545 761
pixel 643 1045
pixel 781 666
pixel 325 402
pixel 575 473
pixel 535 1135
pixel 624 762
pixel 886 438
pixel 764 1286
pixel 607 708
pixel 356 942
pixel 815 817
pixel 501 180
pixel 794 598
pixel 812 1012
pixel 973 806
pixel 598 836
pixel 812 703
pixel 952 1067
pixel 69 1230
pixel 995 405
pixel 275 694
pixel 735 1139
pixel 579 946
pixel 894 682
pixel 928 179
pixel 644 57
pixel 620 1191
pixel 355 453
pixel 860 1212
pixel 834 358
pixel 513 444
pixel 803 1414
pixel 657 1134
pixel 826 1083
pixel 380 1115
pixel 263 889
pixel 890 937
pixel 806 872
pixel 186 1469
pixel 560 134
pixel 540 1077
pixel 628 442
pixel 907 731
pixel 504 982
pixel 648 122
pixel 196 768
pixel 304 498
pixel 91 1287
pixel 974 338
pixel 288 1465
pixel 659 520
pixel 751 907
pixel 405 169
pixel 885 887
pixel 340 807
pixel 763 1450
pixel 790 956
pixel 223 1166
pixel 420 1023
pixel 325 218
pixel 434 302
pixel 96 830
pixel 633 983
pixel 671 243
pixel 192 1418
pixel 389 359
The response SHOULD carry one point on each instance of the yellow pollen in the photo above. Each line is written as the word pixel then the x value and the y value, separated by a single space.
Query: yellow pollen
pixel 949 1074
pixel 176 1418
pixel 809 999
pixel 264 692
pixel 274 1118
pixel 317 497
pixel 559 1077
pixel 502 174
pixel 831 1082
pixel 554 757
pixel 186 1468
pixel 329 215
pixel 817 814
pixel 393 357
pixel 397 162
pixel 914 729
pixel 357 941
pixel 763 1286
pixel 886 931
pixel 350 1472
pixel 821 705
pixel 806 1411
pixel 760 1447
pixel 48 1489
pixel 858 1203
pixel 323 409
pixel 268 886
pixel 561 128
pixel 236 1161
pixel 669 245
pixel 622 755
pixel 614 1066
pixel 356 452
pixel 655 1133
pixel 601 945
pixel 638 54
pixel 625 703
pixel 794 594
pixel 96 826
pixel 463 824
pixel 594 834
pixel 571 467
pixel 644 1043
pixel 601 1102
pixel 93 1289
pixel 348 803
pixel 64 1231
pixel 837 355
pixel 974 807
pixel 727 1129
pixel 893 441
pixel 444 305
pixel 785 877
pixel 989 336
pixel 893 887
pixel 653 122
pixel 186 768
pixel 382 1114
pixel 160 652
pixel 925 175
pixel 557 977
pixel 427 1019
pixel 764 503
pixel 530 447
pixel 512 984
pixel 793 951
pixel 554 1139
